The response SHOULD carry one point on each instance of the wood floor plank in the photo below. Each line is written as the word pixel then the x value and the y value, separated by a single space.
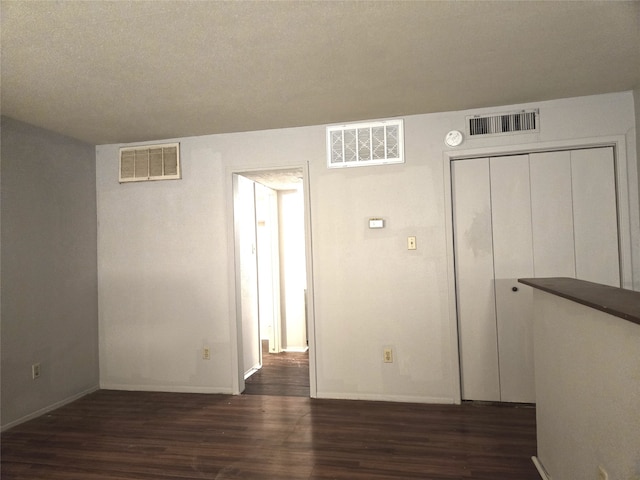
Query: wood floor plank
pixel 116 435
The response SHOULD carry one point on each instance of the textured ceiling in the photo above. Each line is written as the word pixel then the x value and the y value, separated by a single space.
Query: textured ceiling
pixel 279 179
pixel 110 72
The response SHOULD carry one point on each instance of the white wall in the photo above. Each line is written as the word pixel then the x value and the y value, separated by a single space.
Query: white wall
pixel 588 390
pixel 370 291
pixel 49 275
pixel 163 288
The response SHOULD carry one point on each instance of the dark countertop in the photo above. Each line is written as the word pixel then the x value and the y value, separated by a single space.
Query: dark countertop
pixel 612 300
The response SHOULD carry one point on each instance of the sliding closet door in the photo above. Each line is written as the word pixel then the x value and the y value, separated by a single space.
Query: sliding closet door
pixel 546 214
pixel 474 279
pixel 513 259
pixel 595 216
pixel 574 215
pixel 552 214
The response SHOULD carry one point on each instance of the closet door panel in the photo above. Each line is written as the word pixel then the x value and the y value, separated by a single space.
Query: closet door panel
pixel 511 216
pixel 552 214
pixel 595 216
pixel 544 214
pixel 474 279
pixel 513 259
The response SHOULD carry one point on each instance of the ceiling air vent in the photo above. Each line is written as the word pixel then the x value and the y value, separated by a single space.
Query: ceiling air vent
pixel 523 121
pixel 360 144
pixel 150 162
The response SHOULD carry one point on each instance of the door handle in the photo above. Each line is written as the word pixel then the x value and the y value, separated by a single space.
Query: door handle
pixel 514 289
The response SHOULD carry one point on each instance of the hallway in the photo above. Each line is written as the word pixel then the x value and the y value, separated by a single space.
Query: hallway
pixel 282 374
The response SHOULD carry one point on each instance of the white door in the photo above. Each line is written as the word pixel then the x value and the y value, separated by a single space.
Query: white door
pixel 513 259
pixel 475 287
pixel 293 270
pixel 268 265
pixel 595 216
pixel 543 214
pixel 245 231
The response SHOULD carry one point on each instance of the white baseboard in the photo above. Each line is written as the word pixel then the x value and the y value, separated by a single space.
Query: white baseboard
pixel 295 349
pixel 383 398
pixel 166 388
pixel 541 470
pixel 48 408
pixel 251 371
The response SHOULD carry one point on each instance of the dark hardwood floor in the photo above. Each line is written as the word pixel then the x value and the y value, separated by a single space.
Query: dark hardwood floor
pixel 111 435
pixel 285 374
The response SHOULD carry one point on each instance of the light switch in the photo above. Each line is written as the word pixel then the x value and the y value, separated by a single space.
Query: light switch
pixel 411 243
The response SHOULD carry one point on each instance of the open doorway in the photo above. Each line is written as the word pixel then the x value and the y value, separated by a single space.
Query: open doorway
pixel 271 280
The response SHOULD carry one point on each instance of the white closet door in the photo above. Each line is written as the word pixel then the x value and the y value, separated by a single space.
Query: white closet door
pixel 544 215
pixel 595 216
pixel 513 259
pixel 552 214
pixel 474 273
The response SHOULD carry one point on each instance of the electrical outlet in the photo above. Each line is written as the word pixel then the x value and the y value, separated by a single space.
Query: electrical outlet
pixel 602 473
pixel 35 371
pixel 206 353
pixel 388 355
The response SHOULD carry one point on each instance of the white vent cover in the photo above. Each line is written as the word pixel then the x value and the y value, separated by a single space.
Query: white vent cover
pixel 150 162
pixel 360 144
pixel 523 121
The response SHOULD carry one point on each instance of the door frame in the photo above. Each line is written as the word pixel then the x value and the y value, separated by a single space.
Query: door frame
pixel 235 318
pixel 618 142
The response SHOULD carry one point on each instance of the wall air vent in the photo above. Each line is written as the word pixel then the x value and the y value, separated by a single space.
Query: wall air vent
pixel 361 144
pixel 150 162
pixel 523 121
